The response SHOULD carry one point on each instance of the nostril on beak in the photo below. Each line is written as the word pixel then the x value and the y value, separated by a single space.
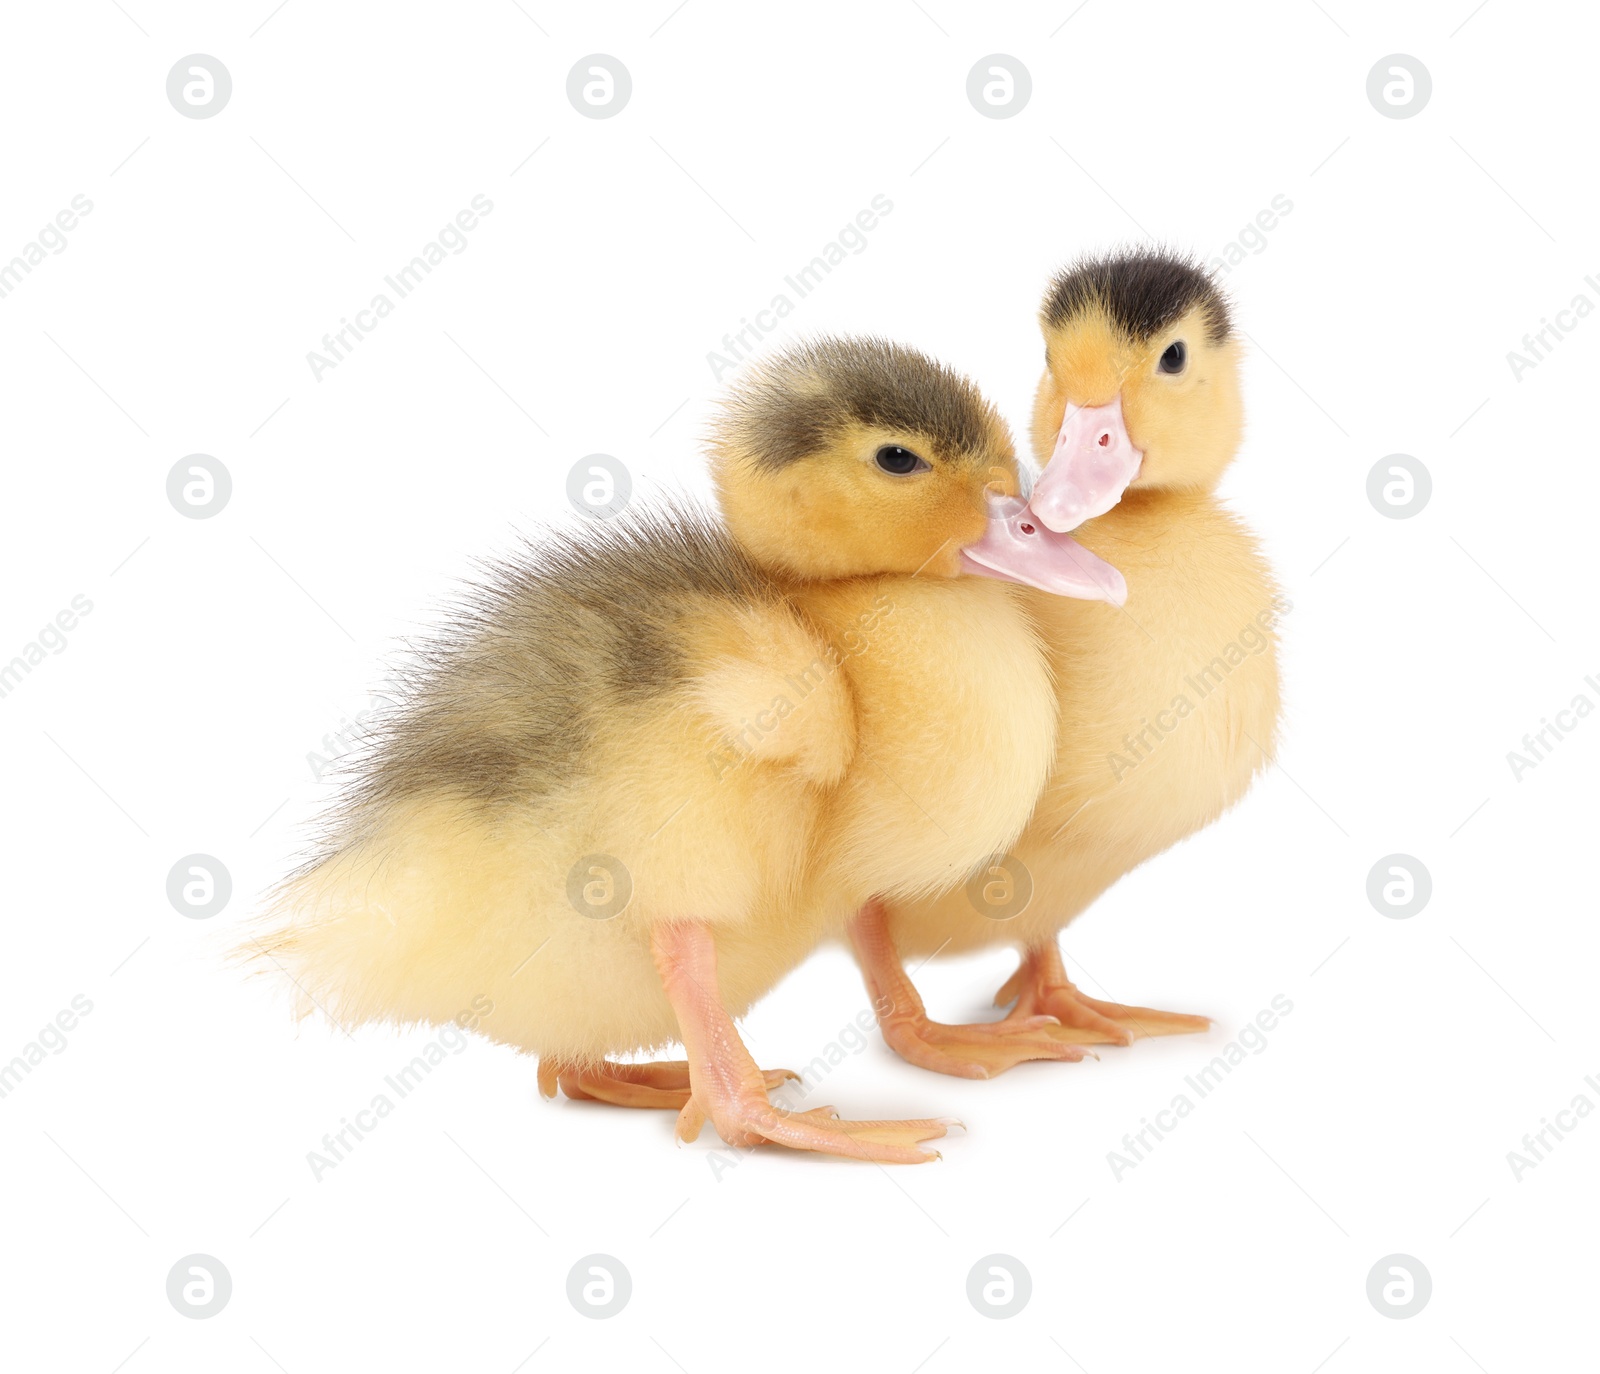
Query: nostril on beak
pixel 1027 529
pixel 1105 439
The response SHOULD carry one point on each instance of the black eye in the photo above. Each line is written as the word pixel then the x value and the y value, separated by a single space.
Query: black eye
pixel 902 462
pixel 1174 358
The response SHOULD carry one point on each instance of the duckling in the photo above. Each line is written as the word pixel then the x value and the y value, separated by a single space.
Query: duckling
pixel 1167 709
pixel 646 765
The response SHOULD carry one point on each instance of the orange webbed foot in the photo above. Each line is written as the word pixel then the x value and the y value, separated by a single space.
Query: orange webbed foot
pixel 1040 986
pixel 979 1049
pixel 976 1050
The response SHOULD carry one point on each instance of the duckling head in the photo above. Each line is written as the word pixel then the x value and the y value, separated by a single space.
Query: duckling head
pixel 854 457
pixel 1141 384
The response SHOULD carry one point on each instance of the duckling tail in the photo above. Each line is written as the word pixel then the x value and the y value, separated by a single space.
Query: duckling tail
pixel 408 923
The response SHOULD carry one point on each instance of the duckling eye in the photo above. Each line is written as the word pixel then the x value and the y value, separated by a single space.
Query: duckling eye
pixel 1174 358
pixel 902 462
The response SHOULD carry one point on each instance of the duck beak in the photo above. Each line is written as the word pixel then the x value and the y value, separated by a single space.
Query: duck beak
pixel 1093 462
pixel 1018 547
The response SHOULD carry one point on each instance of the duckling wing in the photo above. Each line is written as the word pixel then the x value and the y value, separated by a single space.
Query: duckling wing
pixel 772 688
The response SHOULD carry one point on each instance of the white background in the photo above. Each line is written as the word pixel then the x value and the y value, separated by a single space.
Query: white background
pixel 219 652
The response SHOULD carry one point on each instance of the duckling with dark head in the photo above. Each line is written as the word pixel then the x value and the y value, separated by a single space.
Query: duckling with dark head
pixel 1168 708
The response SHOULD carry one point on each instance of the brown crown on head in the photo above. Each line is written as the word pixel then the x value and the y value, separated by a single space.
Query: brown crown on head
pixel 1141 291
pixel 799 402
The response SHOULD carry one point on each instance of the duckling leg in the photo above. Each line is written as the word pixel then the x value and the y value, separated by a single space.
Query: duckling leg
pixel 980 1050
pixel 660 1084
pixel 726 1086
pixel 1041 986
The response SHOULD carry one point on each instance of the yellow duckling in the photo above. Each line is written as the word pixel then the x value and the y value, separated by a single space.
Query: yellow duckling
pixel 649 764
pixel 1169 707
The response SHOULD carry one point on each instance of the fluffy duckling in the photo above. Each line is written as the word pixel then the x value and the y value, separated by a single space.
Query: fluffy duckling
pixel 648 763
pixel 1169 708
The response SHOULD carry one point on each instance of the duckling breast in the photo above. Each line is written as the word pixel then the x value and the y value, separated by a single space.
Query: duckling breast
pixel 956 719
